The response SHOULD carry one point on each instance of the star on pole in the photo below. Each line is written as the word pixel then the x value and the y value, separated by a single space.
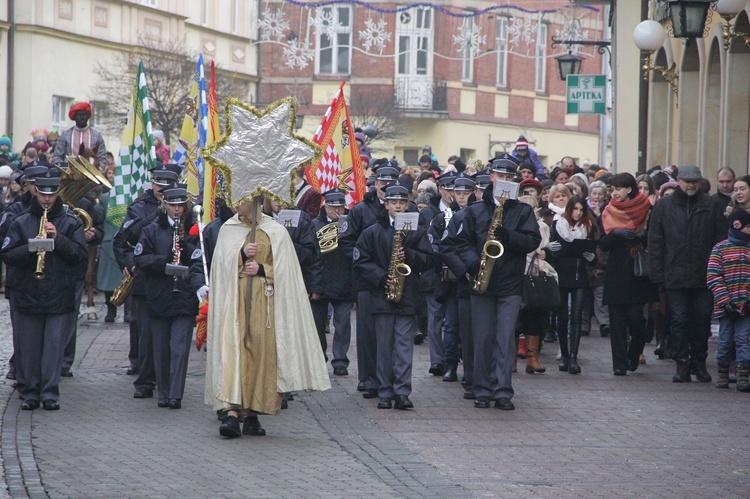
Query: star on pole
pixel 259 154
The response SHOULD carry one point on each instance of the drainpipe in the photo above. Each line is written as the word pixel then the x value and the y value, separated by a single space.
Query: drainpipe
pixel 10 74
pixel 260 49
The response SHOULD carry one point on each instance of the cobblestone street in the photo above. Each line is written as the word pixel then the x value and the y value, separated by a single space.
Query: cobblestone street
pixel 591 435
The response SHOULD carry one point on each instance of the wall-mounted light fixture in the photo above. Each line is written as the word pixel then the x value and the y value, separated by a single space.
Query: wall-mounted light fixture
pixel 570 64
pixel 728 10
pixel 649 36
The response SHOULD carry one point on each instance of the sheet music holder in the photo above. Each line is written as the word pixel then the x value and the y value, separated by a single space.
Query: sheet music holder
pixel 289 218
pixel 406 221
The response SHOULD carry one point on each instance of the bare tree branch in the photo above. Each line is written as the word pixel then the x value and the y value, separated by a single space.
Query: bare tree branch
pixel 374 105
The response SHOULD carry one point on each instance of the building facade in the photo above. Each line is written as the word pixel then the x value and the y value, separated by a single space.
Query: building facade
pixel 466 77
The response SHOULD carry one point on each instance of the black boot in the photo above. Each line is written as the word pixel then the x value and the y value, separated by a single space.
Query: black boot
pixel 698 369
pixel 683 372
pixel 251 426
pixel 111 309
pixel 451 372
pixel 575 340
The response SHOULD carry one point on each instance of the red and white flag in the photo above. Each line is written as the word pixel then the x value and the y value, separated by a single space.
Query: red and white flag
pixel 340 165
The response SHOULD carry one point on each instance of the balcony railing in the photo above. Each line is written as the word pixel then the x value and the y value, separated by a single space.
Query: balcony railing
pixel 420 94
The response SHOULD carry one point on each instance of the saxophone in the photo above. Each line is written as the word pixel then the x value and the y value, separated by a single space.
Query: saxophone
pixel 122 291
pixel 42 255
pixel 491 251
pixel 397 270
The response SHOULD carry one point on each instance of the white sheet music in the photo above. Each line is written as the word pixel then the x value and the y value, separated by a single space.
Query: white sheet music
pixel 505 190
pixel 289 218
pixel 406 221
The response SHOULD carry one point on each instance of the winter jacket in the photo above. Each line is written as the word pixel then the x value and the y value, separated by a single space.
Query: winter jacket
pixel 572 272
pixel 63 267
pixel 519 234
pixel 621 286
pixel 683 230
pixel 335 269
pixel 141 213
pixel 728 278
pixel 361 216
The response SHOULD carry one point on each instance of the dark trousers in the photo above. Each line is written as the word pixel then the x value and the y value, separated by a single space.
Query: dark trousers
pixel 577 297
pixel 467 341
pixel 690 323
pixel 367 346
pixel 134 330
pixel 494 343
pixel 71 330
pixel 172 339
pixel 451 336
pixel 342 328
pixel 147 377
pixel 626 320
pixel 40 352
pixel 395 353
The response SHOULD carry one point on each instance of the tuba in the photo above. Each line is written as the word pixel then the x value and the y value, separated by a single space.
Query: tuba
pixel 42 255
pixel 491 251
pixel 75 182
pixel 328 237
pixel 397 270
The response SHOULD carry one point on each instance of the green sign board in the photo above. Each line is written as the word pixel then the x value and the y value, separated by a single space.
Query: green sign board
pixel 586 94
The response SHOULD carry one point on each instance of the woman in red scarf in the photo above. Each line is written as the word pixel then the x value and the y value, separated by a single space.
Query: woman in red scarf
pixel 624 223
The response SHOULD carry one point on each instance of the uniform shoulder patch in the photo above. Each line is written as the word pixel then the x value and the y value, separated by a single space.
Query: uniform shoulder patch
pixel 6 242
pixel 355 253
pixel 460 228
pixel 196 254
pixel 429 236
pixel 138 249
pixel 127 223
pixel 5 217
pixel 445 234
pixel 344 226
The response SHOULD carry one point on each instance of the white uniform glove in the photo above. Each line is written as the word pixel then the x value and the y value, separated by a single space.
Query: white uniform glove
pixel 554 246
pixel 202 293
pixel 589 257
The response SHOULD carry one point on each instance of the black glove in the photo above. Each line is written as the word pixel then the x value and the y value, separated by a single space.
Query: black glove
pixel 626 234
pixel 502 234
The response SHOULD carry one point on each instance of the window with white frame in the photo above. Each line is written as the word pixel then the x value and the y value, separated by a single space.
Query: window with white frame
pixel 467 58
pixel 541 58
pixel 60 107
pixel 334 48
pixel 150 3
pixel 204 12
pixel 501 47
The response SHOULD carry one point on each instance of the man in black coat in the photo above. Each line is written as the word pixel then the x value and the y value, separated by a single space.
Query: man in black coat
pixel 336 283
pixel 724 187
pixel 394 320
pixel 43 302
pixel 499 305
pixel 360 217
pixel 683 229
pixel 142 212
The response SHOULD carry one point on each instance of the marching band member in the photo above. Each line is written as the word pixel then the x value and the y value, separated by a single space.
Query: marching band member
pixel 43 291
pixel 170 299
pixel 373 260
pixel 254 353
pixel 361 216
pixel 518 232
pixel 336 280
pixel 142 212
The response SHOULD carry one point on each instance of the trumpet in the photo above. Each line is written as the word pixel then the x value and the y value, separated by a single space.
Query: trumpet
pixel 397 270
pixel 42 255
pixel 491 251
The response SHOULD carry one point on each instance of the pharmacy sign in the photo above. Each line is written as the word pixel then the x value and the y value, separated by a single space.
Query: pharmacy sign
pixel 586 94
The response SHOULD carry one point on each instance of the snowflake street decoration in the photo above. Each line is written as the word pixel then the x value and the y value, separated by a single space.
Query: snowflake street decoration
pixel 298 54
pixel 470 38
pixel 375 35
pixel 572 29
pixel 522 31
pixel 272 25
pixel 324 23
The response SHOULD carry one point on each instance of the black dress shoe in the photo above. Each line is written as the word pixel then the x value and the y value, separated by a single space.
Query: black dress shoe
pixel 604 331
pixel 30 405
pixel 620 372
pixel 110 317
pixel 284 404
pixel 133 369
pixel 230 428
pixel 469 395
pixel 65 373
pixel 51 405
pixel 10 375
pixel 163 403
pixel 340 371
pixel 504 404
pixel 482 403
pixel 385 403
pixel 403 403
pixel 437 369
pixel 175 403
pixel 361 386
pixel 450 373
pixel 633 365
pixel 418 338
pixel 251 426
pixel 370 394
pixel 143 393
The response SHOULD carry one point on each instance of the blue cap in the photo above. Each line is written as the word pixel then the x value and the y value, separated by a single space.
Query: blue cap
pixel 464 183
pixel 49 182
pixel 176 194
pixel 386 172
pixel 446 180
pixel 166 174
pixel 396 191
pixel 482 179
pixel 335 197
pixel 505 163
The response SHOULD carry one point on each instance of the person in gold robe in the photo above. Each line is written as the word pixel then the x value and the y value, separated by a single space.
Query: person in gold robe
pixel 254 353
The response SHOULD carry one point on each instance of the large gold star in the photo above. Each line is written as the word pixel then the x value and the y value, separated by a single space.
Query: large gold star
pixel 259 153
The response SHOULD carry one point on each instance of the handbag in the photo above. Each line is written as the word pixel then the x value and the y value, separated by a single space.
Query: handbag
pixel 640 264
pixel 540 292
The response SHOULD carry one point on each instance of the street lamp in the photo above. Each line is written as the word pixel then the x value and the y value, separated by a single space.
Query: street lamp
pixel 728 9
pixel 568 64
pixel 688 17
pixel 649 36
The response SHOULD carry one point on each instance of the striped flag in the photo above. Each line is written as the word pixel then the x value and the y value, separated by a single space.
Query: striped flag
pixel 193 133
pixel 340 165
pixel 210 188
pixel 137 154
